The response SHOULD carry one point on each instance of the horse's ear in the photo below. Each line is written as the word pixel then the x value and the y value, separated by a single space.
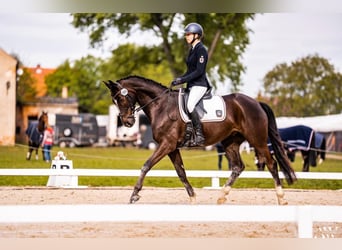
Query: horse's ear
pixel 107 84
pixel 111 85
pixel 114 84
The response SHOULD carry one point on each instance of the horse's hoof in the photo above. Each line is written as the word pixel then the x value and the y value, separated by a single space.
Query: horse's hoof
pixel 221 200
pixel 134 198
pixel 282 202
pixel 193 200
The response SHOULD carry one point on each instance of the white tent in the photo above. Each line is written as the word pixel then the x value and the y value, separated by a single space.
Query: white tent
pixel 326 123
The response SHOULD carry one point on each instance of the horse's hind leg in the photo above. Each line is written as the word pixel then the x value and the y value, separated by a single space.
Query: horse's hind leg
pixel 306 159
pixel 273 168
pixel 177 161
pixel 237 167
pixel 29 153
pixel 259 162
pixel 37 157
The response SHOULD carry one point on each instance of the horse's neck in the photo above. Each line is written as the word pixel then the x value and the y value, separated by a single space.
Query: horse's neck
pixel 145 93
pixel 165 102
pixel 145 87
pixel 41 126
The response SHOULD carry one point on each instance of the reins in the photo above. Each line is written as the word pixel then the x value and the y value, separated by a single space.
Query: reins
pixel 148 103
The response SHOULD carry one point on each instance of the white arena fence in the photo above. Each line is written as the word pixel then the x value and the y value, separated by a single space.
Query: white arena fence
pixel 303 216
pixel 214 175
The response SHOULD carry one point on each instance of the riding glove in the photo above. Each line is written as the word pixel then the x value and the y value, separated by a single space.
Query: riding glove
pixel 177 81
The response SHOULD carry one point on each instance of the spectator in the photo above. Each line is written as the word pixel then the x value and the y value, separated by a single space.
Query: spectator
pixel 48 143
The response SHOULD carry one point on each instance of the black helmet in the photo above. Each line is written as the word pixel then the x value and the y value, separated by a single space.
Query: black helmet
pixel 194 28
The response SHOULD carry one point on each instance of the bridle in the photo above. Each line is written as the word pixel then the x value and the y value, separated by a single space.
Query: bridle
pixel 125 93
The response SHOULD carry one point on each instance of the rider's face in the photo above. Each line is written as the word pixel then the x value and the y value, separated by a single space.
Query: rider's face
pixel 189 37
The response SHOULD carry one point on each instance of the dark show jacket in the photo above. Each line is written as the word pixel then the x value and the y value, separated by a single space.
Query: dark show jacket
pixel 196 63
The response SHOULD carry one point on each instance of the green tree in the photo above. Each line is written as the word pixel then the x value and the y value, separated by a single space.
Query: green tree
pixel 227 35
pixel 127 60
pixel 306 87
pixel 25 91
pixel 83 80
pixel 25 88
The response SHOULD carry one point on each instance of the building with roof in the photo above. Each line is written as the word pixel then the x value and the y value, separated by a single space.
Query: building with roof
pixel 15 117
pixel 30 111
pixel 8 66
pixel 39 73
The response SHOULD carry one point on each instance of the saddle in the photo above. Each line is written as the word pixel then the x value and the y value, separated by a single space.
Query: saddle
pixel 211 108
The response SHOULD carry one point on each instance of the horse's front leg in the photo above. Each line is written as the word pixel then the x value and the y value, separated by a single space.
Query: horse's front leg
pixel 157 155
pixel 177 161
pixel 237 167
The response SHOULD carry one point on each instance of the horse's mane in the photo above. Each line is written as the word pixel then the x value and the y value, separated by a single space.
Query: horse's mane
pixel 150 81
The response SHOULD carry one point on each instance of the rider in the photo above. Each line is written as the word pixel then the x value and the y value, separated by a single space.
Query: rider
pixel 195 76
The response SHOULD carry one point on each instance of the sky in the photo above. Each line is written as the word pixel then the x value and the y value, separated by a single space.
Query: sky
pixel 49 39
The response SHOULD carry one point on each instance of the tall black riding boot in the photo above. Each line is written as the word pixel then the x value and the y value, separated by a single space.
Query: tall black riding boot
pixel 198 128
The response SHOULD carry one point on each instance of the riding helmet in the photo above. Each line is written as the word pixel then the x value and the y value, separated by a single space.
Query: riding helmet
pixel 194 28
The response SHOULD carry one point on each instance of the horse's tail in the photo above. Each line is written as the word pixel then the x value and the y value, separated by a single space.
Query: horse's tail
pixel 277 145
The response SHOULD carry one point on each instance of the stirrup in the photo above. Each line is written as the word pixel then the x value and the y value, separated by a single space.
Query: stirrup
pixel 200 140
pixel 200 143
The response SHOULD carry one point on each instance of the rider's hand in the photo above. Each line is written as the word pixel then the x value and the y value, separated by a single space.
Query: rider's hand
pixel 176 82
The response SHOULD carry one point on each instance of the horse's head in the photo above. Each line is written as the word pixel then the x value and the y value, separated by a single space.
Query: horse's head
pixel 125 100
pixel 43 121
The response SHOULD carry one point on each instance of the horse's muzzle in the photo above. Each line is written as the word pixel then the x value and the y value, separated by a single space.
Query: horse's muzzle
pixel 129 122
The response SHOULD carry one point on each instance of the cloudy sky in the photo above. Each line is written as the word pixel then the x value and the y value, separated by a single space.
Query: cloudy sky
pixel 49 39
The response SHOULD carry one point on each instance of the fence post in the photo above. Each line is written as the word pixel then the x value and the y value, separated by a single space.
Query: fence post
pixel 304 222
pixel 215 182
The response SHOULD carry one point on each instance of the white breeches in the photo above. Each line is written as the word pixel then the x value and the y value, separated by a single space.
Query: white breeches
pixel 195 95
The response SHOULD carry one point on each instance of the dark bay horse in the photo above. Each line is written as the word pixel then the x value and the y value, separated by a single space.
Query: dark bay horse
pixel 246 119
pixel 35 134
